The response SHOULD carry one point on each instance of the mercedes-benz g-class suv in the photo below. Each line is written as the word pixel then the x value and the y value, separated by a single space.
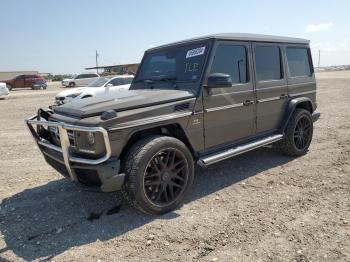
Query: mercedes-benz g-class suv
pixel 200 101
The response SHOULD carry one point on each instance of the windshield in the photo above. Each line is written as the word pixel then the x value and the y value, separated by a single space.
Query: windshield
pixel 175 65
pixel 99 82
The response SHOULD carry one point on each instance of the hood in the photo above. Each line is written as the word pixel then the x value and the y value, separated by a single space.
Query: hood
pixel 120 101
pixel 70 91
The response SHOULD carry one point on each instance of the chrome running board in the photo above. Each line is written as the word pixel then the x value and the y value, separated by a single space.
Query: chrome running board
pixel 227 153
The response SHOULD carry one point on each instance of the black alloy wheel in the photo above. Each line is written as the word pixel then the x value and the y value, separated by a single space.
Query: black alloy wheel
pixel 165 177
pixel 159 174
pixel 302 133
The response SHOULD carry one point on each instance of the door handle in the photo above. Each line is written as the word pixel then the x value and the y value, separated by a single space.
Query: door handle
pixel 248 102
pixel 283 96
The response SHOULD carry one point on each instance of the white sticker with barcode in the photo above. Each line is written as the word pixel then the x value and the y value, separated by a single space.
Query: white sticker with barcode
pixel 195 52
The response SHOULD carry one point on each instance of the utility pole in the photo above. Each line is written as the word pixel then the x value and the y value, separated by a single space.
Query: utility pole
pixel 96 62
pixel 319 58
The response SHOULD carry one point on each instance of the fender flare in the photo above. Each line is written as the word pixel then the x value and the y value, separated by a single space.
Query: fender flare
pixel 292 105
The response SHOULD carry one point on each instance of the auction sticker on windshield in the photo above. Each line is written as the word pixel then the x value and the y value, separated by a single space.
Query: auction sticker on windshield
pixel 195 52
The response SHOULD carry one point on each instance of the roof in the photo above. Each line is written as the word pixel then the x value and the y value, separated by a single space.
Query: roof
pixel 242 37
pixel 110 66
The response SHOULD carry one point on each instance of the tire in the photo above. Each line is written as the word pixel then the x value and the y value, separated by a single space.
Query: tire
pixel 166 165
pixel 9 87
pixel 298 135
pixel 71 84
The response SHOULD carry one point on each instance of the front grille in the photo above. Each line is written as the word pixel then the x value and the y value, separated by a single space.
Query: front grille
pixel 181 107
pixel 56 136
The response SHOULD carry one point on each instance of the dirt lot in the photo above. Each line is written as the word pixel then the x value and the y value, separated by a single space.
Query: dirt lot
pixel 260 206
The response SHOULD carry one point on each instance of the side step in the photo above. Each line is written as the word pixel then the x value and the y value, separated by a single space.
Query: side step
pixel 227 153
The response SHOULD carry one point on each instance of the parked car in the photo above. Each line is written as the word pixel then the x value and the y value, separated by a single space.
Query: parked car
pixel 101 85
pixel 3 90
pixel 39 85
pixel 22 81
pixel 200 101
pixel 80 80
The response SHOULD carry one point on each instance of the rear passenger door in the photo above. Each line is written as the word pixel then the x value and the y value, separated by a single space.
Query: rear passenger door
pixel 229 112
pixel 271 86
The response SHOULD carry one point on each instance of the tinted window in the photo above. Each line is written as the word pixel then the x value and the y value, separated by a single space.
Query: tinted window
pixel 231 60
pixel 128 80
pixel 116 82
pixel 268 63
pixel 298 61
pixel 90 75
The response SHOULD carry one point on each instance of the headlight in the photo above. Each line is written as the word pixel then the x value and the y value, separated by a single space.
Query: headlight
pixel 91 138
pixel 74 95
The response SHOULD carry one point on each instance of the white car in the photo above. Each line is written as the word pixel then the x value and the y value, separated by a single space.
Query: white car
pixel 102 85
pixel 80 80
pixel 3 90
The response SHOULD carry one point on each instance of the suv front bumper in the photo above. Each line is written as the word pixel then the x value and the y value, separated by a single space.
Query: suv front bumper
pixel 103 172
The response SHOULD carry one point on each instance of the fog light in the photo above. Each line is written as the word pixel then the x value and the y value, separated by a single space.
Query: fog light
pixel 91 138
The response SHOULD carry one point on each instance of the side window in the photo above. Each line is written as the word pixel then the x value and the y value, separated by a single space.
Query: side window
pixel 298 61
pixel 128 80
pixel 79 77
pixel 116 82
pixel 268 63
pixel 231 60
pixel 91 75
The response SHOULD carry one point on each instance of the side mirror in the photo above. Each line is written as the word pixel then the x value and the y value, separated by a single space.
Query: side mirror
pixel 109 85
pixel 218 80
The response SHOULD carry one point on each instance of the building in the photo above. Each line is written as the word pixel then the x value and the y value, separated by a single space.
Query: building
pixel 12 74
pixel 115 69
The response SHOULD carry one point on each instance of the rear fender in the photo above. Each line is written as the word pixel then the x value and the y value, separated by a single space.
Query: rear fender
pixel 299 102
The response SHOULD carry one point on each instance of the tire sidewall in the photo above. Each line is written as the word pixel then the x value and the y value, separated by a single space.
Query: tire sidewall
pixel 140 195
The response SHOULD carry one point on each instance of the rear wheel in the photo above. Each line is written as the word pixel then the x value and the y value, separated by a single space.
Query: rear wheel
pixel 160 173
pixel 298 134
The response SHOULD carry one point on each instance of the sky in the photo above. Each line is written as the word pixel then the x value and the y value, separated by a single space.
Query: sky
pixel 56 36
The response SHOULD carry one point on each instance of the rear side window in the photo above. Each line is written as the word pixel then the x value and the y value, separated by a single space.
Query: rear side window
pixel 231 60
pixel 298 61
pixel 268 63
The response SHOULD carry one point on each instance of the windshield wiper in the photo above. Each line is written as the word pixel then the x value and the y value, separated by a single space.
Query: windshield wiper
pixel 171 80
pixel 147 81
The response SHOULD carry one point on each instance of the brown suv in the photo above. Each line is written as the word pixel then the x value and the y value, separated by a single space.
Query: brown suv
pixel 200 101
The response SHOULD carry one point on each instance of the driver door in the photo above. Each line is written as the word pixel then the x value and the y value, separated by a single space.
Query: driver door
pixel 229 113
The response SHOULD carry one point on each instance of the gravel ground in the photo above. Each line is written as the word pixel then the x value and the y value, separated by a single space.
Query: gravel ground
pixel 260 206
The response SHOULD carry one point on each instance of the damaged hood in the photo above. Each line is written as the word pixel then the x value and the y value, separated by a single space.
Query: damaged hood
pixel 121 101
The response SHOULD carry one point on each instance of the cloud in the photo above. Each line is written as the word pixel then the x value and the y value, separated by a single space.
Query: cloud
pixel 310 28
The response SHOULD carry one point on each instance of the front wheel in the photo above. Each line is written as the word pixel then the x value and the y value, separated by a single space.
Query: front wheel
pixel 298 134
pixel 9 87
pixel 160 172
